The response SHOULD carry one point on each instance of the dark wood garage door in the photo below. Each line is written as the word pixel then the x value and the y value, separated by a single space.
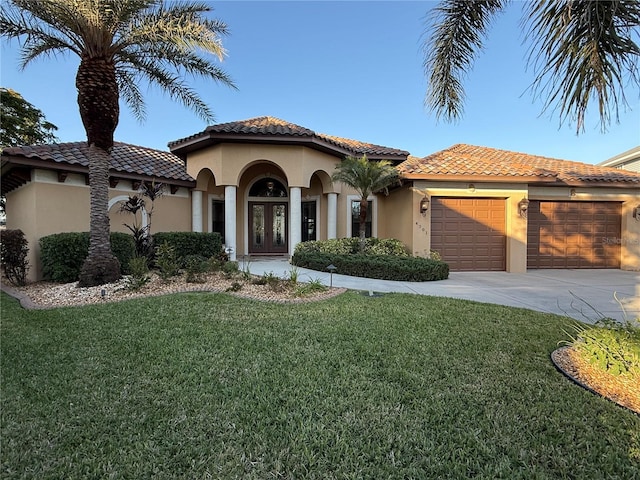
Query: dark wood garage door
pixel 573 235
pixel 469 233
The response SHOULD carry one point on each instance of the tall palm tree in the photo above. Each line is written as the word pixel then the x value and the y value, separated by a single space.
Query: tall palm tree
pixel 364 177
pixel 119 42
pixel 581 51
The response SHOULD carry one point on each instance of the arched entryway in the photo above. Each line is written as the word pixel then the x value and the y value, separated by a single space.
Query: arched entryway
pixel 268 217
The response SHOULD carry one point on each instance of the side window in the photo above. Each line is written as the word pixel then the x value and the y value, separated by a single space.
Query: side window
pixel 309 220
pixel 355 218
pixel 217 217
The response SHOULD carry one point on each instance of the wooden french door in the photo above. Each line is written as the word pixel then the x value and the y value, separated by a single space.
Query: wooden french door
pixel 268 228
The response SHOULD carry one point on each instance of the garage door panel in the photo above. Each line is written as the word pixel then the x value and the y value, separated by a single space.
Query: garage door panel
pixel 572 234
pixel 469 233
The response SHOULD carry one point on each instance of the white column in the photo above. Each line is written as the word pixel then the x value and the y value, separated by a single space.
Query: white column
pixel 230 220
pixel 332 212
pixel 295 215
pixel 196 210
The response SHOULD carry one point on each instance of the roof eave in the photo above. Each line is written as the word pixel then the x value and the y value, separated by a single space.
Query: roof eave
pixel 9 162
pixel 476 178
pixel 208 139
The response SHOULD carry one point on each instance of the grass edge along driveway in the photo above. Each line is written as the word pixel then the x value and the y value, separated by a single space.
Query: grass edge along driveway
pixel 212 386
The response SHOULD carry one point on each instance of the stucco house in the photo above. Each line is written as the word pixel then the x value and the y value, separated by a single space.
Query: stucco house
pixel 265 185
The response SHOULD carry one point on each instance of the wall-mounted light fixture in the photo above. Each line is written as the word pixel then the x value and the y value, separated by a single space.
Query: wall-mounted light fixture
pixel 523 207
pixel 472 187
pixel 424 205
pixel 636 213
pixel 572 192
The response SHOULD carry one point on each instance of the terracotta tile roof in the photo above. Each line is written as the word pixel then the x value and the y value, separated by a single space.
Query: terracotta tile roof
pixel 275 127
pixel 125 158
pixel 468 160
pixel 363 148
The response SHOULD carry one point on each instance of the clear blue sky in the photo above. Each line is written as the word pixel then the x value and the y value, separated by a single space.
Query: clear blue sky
pixel 351 69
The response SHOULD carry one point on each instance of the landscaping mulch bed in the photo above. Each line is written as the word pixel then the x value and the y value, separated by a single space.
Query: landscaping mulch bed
pixel 53 295
pixel 623 390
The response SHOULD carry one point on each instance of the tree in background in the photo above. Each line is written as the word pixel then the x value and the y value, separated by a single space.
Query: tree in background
pixel 581 51
pixel 364 177
pixel 21 123
pixel 119 43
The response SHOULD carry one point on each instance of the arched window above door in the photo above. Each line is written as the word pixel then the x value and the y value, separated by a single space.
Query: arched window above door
pixel 268 187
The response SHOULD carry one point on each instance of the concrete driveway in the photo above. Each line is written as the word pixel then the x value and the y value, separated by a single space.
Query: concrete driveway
pixel 582 294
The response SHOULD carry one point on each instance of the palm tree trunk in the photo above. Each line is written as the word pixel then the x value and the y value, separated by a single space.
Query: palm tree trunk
pixel 98 101
pixel 364 205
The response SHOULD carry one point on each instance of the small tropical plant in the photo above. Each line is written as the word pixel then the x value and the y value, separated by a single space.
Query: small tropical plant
pixel 139 276
pixel 195 266
pixel 230 269
pixel 167 261
pixel 136 204
pixel 309 288
pixel 612 346
pixel 234 287
pixel 294 275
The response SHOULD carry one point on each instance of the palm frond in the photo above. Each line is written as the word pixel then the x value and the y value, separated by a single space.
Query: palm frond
pixel 365 176
pixel 174 85
pixel 458 28
pixel 130 93
pixel 584 51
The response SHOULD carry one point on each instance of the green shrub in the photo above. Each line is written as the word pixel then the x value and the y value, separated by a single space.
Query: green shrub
pixel 195 266
pixel 13 255
pixel 167 261
pixel 275 283
pixel 387 267
pixel 63 254
pixel 339 246
pixel 385 246
pixel 611 346
pixel 230 269
pixel 191 243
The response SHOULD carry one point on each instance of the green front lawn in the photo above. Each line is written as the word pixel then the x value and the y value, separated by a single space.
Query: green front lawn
pixel 211 386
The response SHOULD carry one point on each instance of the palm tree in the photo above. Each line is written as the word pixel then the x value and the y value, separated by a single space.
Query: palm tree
pixel 119 42
pixel 364 177
pixel 580 50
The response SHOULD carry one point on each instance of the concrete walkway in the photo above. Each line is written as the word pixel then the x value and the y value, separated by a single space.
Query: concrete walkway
pixel 564 292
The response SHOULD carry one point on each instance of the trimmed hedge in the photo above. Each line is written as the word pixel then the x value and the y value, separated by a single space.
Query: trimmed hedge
pixel 185 244
pixel 345 246
pixel 386 267
pixel 63 254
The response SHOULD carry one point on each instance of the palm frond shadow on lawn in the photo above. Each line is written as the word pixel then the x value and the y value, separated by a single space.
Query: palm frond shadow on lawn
pixel 398 386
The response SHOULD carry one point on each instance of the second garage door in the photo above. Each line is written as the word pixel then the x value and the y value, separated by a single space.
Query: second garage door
pixel 573 235
pixel 469 233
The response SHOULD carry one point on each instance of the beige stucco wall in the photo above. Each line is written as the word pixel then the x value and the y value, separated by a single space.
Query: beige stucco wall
pixel 396 216
pixel 45 206
pixel 228 162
